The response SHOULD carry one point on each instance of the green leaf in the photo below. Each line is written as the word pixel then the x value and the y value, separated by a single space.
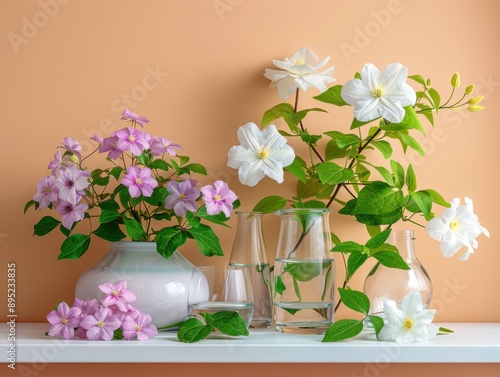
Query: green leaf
pixel 349 207
pixel 133 228
pixel 344 141
pixel 192 220
pixel 333 151
pixel 411 119
pixel 384 147
pixel 193 330
pixel 378 198
pixel 343 329
pixel 356 123
pixel 310 204
pixel 362 172
pixel 348 247
pixel 229 323
pixel 158 196
pixel 45 225
pixel 207 240
pixel 118 334
pixel 158 164
pixel 109 231
pixel 332 95
pixel 391 260
pixel 378 240
pixel 399 174
pixel 296 288
pixel 382 219
pixel 437 198
pixel 373 230
pixel 418 79
pixel 116 172
pixel 297 169
pixel 445 330
pixel 411 179
pixel 279 286
pixel 424 202
pixel 327 285
pixel 436 98
pixel 29 204
pixel 331 174
pixel 308 138
pixel 108 215
pixel 411 142
pixel 197 168
pixel 313 188
pixel 219 219
pixel 355 300
pixel 305 271
pixel 377 322
pixel 270 204
pixel 169 240
pixel 386 174
pixel 74 246
pixel 276 112
pixel 354 262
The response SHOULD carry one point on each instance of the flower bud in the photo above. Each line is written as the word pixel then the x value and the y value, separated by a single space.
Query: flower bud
pixel 475 100
pixel 469 89
pixel 74 159
pixel 455 80
pixel 475 108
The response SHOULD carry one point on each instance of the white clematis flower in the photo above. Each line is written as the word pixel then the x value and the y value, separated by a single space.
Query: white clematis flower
pixel 380 94
pixel 458 226
pixel 261 153
pixel 411 323
pixel 299 71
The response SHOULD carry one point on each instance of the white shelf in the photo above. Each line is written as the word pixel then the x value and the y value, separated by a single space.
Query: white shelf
pixel 471 343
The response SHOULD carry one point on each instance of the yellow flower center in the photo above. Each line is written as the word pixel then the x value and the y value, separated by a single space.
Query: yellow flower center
pixel 182 196
pixel 378 92
pixel 131 138
pixel 137 328
pixel 263 154
pixel 114 293
pixel 100 324
pixel 64 321
pixel 408 323
pixel 300 62
pixel 454 225
pixel 138 181
pixel 217 198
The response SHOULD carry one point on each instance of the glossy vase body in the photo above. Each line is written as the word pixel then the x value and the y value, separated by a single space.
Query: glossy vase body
pixel 385 283
pixel 249 250
pixel 304 272
pixel 160 285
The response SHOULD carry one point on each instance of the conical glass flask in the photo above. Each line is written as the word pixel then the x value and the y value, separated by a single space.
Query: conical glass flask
pixel 385 283
pixel 249 250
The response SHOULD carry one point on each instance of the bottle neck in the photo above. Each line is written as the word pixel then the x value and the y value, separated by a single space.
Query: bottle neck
pixel 403 240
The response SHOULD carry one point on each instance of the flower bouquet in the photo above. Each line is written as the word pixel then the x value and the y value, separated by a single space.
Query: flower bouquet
pixel 337 168
pixel 145 191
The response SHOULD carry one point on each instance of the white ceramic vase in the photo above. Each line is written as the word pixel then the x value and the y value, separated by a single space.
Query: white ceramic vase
pixel 160 285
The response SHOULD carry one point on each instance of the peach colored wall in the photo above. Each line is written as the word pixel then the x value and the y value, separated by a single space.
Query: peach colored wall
pixel 195 69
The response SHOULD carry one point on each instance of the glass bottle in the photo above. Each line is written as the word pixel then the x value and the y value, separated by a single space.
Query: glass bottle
pixel 304 272
pixel 249 250
pixel 383 283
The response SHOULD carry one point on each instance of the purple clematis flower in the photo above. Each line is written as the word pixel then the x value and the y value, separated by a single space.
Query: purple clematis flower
pixel 134 118
pixel 47 192
pixel 218 198
pixel 109 145
pixel 63 320
pixel 87 308
pixel 139 181
pixel 57 164
pixel 160 145
pixel 117 294
pixel 131 139
pixel 73 146
pixel 140 326
pixel 71 213
pixel 100 325
pixel 182 196
pixel 71 184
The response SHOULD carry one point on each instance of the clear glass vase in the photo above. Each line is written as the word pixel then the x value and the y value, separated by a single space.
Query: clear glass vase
pixel 249 250
pixel 385 283
pixel 304 272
